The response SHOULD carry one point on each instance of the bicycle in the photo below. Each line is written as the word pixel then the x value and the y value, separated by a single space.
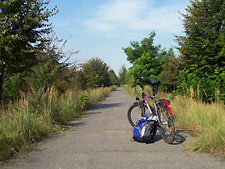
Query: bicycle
pixel 161 112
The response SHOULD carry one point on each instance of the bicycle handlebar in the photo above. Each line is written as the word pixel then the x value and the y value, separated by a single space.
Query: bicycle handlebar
pixel 138 83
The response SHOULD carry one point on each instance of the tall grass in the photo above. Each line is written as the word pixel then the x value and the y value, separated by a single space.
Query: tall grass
pixel 205 121
pixel 39 113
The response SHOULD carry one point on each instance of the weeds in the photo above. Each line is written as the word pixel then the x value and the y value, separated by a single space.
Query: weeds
pixel 39 113
pixel 205 121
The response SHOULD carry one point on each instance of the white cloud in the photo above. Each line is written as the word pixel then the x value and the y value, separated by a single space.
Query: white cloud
pixel 139 15
pixel 115 13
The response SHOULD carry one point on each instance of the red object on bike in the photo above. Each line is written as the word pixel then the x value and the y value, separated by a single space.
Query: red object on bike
pixel 166 104
pixel 170 111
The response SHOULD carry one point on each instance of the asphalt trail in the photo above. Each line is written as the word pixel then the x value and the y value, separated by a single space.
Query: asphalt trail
pixel 102 140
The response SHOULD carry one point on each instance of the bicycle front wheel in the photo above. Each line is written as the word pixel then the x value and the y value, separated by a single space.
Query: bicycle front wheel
pixel 134 114
pixel 166 128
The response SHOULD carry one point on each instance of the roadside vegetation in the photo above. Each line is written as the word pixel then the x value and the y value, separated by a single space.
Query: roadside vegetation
pixel 40 89
pixel 206 122
pixel 194 77
pixel 40 113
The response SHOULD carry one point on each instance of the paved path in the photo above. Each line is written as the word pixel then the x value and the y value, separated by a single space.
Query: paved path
pixel 102 140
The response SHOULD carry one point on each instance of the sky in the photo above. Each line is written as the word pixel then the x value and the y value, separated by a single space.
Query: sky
pixel 101 28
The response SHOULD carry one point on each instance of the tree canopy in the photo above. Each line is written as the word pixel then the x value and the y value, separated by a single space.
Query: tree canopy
pixel 22 28
pixel 147 59
pixel 95 73
pixel 202 48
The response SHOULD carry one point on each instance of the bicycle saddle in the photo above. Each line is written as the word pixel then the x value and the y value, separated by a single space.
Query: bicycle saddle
pixel 154 82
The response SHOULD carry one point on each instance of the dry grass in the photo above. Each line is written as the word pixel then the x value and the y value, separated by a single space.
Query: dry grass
pixel 39 113
pixel 205 121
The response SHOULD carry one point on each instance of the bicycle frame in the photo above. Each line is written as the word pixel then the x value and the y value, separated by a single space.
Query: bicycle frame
pixel 147 104
pixel 156 113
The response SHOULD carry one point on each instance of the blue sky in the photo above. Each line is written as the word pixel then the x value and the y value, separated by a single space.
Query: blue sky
pixel 100 28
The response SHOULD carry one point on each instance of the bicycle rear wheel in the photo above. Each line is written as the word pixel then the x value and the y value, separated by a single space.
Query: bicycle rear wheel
pixel 166 128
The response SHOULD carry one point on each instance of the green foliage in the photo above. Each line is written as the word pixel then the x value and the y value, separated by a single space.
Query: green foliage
pixel 95 73
pixel 11 85
pixel 23 24
pixel 203 48
pixel 113 78
pixel 123 75
pixel 147 59
pixel 50 70
pixel 169 76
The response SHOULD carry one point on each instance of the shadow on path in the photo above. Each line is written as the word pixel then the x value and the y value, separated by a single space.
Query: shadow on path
pixel 179 138
pixel 105 106
pixel 76 123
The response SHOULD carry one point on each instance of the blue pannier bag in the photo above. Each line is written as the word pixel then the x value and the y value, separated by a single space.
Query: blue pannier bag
pixel 144 130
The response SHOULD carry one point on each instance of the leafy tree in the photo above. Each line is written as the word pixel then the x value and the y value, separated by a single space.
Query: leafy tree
pixel 113 78
pixel 50 70
pixel 203 48
pixel 147 59
pixel 23 24
pixel 170 75
pixel 95 73
pixel 123 75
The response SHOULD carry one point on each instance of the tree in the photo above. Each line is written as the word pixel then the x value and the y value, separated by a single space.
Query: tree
pixel 170 74
pixel 122 75
pixel 203 48
pixel 95 73
pixel 147 59
pixel 51 70
pixel 22 28
pixel 113 78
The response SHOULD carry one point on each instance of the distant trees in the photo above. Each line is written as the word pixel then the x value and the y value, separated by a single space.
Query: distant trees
pixel 202 48
pixel 113 78
pixel 95 73
pixel 22 28
pixel 123 75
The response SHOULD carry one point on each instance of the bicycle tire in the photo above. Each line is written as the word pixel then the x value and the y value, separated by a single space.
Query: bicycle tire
pixel 167 127
pixel 129 114
pixel 134 116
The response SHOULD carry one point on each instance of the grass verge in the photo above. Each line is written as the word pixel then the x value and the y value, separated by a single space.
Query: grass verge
pixel 40 113
pixel 205 121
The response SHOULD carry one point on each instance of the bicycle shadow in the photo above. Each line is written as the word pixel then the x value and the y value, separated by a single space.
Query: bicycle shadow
pixel 180 137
